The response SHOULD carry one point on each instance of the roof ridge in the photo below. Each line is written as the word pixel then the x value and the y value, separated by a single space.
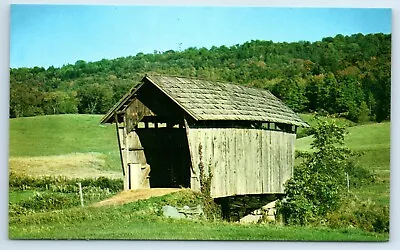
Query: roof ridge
pixel 210 80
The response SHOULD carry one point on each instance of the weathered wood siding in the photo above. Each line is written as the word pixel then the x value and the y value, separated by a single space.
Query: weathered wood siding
pixel 242 161
pixel 133 159
pixel 135 112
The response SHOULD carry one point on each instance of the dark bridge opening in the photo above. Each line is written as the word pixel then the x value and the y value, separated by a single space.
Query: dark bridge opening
pixel 167 152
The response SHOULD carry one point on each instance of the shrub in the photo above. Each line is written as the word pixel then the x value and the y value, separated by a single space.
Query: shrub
pixel 61 183
pixel 318 184
pixel 49 201
pixel 365 215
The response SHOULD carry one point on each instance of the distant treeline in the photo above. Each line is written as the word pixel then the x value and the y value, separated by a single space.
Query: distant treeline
pixel 345 75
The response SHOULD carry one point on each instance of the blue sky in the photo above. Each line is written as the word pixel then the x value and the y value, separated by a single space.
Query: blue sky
pixel 45 35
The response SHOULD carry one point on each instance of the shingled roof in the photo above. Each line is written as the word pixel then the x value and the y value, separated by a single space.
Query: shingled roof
pixel 208 100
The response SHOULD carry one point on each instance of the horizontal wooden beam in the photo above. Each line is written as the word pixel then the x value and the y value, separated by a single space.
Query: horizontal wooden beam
pixel 135 149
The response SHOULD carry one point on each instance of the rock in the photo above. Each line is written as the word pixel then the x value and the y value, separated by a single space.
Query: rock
pixel 257 212
pixel 251 218
pixel 199 210
pixel 269 205
pixel 271 212
pixel 269 218
pixel 172 212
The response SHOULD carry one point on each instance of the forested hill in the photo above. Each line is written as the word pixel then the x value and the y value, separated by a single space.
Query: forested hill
pixel 348 75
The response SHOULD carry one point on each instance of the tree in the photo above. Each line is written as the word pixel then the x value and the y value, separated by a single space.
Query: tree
pixel 58 102
pixel 94 99
pixel 291 93
pixel 317 185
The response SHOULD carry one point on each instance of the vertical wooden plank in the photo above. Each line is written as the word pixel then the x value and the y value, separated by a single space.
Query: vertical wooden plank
pixel 283 160
pixel 206 150
pixel 193 147
pixel 221 135
pixel 268 162
pixel 249 158
pixel 255 162
pixel 119 145
pixel 193 179
pixel 273 160
pixel 240 165
pixel 292 143
pixel 217 177
pixel 282 164
pixel 196 144
pixel 249 149
pixel 259 166
pixel 231 163
pixel 125 154
pixel 227 135
pixel 278 175
pixel 222 163
pixel 243 174
pixel 262 161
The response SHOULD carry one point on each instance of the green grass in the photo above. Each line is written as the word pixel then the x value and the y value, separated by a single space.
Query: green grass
pixel 373 141
pixel 19 195
pixel 60 134
pixel 64 134
pixel 139 220
pixel 374 136
pixel 309 118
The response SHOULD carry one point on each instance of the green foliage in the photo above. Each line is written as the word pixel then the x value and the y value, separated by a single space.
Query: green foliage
pixel 318 183
pixel 211 209
pixel 43 202
pixel 366 215
pixel 61 184
pixel 58 102
pixel 364 113
pixel 309 118
pixel 94 99
pixel 292 93
pixel 336 74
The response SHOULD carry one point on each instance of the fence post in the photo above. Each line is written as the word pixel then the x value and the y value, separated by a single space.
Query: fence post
pixel 80 192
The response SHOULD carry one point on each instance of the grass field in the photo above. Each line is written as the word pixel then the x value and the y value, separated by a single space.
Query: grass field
pixel 66 144
pixel 77 144
pixel 139 220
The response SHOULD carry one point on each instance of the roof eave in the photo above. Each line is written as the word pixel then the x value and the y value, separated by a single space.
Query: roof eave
pixel 109 116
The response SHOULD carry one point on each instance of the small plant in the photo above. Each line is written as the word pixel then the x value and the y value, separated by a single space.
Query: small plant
pixel 211 209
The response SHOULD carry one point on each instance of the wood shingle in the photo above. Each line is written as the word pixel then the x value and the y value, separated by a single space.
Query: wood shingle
pixel 206 100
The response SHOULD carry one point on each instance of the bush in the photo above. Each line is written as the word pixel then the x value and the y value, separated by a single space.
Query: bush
pixel 48 201
pixel 45 201
pixel 318 183
pixel 365 215
pixel 61 183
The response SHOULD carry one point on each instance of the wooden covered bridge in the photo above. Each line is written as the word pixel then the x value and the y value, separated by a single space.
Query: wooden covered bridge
pixel 174 131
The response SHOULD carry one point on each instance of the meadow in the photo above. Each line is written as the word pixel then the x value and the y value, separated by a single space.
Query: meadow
pixel 80 149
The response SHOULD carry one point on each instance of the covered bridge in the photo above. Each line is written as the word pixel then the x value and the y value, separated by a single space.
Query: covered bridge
pixel 175 131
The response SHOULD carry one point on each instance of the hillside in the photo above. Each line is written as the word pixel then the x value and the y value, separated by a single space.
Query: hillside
pixel 349 75
pixel 71 145
pixel 373 136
